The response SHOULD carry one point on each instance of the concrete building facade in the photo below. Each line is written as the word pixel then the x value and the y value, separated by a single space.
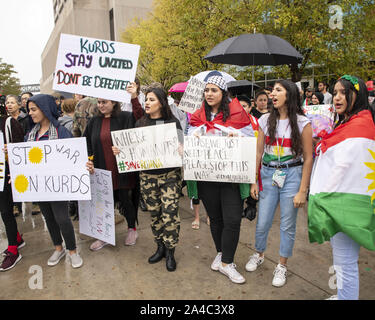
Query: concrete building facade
pixel 102 19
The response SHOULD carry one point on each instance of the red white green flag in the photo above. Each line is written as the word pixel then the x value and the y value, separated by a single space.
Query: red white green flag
pixel 342 188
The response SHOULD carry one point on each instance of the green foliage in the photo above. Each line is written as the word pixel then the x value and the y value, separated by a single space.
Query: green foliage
pixel 179 33
pixel 8 83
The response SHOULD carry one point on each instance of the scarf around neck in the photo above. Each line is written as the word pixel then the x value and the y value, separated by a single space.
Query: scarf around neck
pixel 52 132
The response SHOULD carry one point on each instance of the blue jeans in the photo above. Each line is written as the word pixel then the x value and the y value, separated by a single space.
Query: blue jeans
pixel 345 259
pixel 269 198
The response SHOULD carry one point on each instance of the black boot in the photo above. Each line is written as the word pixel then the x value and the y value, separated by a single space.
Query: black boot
pixel 171 262
pixel 159 254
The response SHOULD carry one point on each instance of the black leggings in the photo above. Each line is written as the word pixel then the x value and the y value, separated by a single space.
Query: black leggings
pixel 58 222
pixel 224 207
pixel 127 206
pixel 6 208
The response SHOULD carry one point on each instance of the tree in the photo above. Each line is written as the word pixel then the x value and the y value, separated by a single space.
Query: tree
pixel 8 83
pixel 179 33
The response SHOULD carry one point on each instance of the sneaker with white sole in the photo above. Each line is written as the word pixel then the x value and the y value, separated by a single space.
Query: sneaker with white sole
pixel 76 260
pixel 97 245
pixel 131 238
pixel 279 276
pixel 334 297
pixel 255 261
pixel 217 262
pixel 56 257
pixel 231 272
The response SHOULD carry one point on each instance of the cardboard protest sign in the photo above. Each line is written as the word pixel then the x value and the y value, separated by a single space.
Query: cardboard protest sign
pixel 193 96
pixel 2 162
pixel 322 117
pixel 97 216
pixel 50 170
pixel 225 159
pixel 147 148
pixel 95 67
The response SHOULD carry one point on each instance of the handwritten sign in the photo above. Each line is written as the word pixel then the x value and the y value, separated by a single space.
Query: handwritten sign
pixel 147 148
pixel 96 217
pixel 52 170
pixel 322 118
pixel 225 159
pixel 193 96
pixel 2 162
pixel 94 67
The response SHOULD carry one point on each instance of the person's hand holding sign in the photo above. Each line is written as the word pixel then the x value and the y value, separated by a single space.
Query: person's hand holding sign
pixel 132 89
pixel 90 166
pixel 116 151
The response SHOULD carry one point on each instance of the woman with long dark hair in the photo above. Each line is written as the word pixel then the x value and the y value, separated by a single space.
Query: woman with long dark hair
pixel 109 117
pixel 284 152
pixel 160 188
pixel 341 207
pixel 223 201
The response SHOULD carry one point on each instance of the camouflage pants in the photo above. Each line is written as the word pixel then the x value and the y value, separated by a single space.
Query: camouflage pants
pixel 161 193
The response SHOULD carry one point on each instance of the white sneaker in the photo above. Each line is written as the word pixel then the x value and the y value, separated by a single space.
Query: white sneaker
pixel 334 297
pixel 231 272
pixel 255 261
pixel 217 262
pixel 56 257
pixel 76 260
pixel 279 277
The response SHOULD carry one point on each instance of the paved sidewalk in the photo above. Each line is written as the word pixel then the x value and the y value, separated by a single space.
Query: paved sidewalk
pixel 123 272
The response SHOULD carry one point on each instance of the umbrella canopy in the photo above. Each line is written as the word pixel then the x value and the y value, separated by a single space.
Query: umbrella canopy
pixel 203 76
pixel 254 49
pixel 179 87
pixel 241 86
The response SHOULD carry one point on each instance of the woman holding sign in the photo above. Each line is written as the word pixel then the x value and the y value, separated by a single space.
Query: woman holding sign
pixel 284 149
pixel 161 188
pixel 43 111
pixel 223 201
pixel 109 118
pixel 12 132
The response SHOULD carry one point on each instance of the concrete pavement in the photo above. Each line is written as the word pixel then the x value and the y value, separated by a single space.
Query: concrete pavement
pixel 123 272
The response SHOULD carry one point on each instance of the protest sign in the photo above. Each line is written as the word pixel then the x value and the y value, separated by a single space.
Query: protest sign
pixel 95 67
pixel 225 159
pixel 322 118
pixel 2 162
pixel 97 217
pixel 50 170
pixel 147 148
pixel 193 96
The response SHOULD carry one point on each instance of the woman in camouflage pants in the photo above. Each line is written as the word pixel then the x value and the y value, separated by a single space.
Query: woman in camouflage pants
pixel 160 188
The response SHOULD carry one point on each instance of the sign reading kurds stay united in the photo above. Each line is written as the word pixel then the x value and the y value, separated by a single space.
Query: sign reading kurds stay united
pixel 95 67
pixel 53 170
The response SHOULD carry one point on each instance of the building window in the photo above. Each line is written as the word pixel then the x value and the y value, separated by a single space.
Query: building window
pixel 111 25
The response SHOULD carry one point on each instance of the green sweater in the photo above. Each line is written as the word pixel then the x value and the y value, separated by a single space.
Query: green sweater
pixel 193 190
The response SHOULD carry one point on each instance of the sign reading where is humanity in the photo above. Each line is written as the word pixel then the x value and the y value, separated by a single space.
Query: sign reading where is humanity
pixel 94 67
pixel 97 217
pixel 147 148
pixel 225 159
pixel 193 96
pixel 53 170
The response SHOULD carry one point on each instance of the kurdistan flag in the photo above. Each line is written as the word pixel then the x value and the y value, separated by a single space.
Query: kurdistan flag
pixel 342 188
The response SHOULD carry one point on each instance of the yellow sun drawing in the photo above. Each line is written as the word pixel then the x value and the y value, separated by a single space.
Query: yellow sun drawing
pixel 35 155
pixel 371 176
pixel 278 150
pixel 21 183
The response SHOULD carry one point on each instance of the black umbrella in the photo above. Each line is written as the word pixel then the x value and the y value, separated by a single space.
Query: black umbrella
pixel 254 50
pixel 241 86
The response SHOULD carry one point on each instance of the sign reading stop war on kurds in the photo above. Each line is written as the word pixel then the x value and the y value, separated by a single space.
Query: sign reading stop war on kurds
pixel 52 170
pixel 147 148
pixel 225 159
pixel 193 96
pixel 97 217
pixel 94 67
